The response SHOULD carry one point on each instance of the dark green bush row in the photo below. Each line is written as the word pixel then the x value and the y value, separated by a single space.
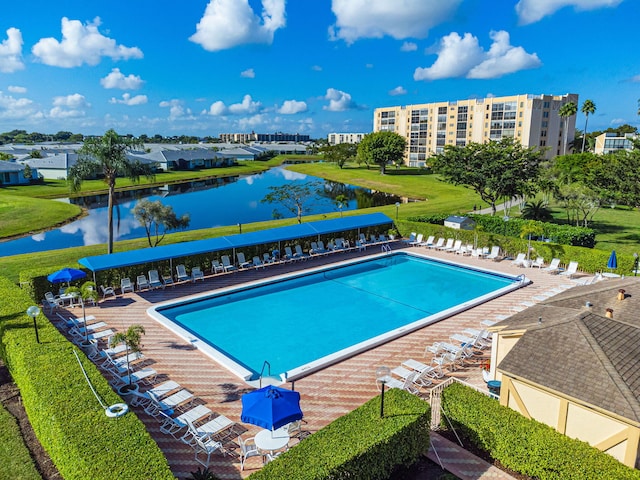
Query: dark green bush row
pixel 359 445
pixel 527 446
pixel 589 259
pixel 562 234
pixel 68 420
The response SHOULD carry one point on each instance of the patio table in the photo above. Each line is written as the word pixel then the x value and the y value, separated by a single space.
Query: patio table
pixel 271 440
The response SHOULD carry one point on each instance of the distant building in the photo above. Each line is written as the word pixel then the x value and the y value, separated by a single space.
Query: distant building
pixel 12 173
pixel 263 137
pixel 532 120
pixel 613 142
pixel 238 137
pixel 336 138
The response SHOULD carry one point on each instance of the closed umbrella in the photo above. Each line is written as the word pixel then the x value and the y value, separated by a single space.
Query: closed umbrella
pixel 66 275
pixel 612 264
pixel 271 407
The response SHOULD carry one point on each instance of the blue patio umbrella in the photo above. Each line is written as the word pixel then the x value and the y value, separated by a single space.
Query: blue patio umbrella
pixel 613 261
pixel 66 275
pixel 271 407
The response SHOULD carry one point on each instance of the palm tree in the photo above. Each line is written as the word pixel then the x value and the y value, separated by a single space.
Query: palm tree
pixel 107 155
pixel 536 210
pixel 567 110
pixel 131 339
pixel 588 108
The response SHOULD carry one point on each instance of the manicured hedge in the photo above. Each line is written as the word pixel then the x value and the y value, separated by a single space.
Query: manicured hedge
pixel 589 259
pixel 66 417
pixel 562 234
pixel 359 445
pixel 527 446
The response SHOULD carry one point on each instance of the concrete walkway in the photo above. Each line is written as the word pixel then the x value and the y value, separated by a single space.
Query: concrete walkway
pixel 462 463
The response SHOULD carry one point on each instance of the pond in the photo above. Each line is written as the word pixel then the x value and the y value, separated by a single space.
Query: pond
pixel 210 203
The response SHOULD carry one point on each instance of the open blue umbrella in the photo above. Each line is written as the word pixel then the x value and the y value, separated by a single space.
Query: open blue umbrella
pixel 271 407
pixel 66 275
pixel 613 261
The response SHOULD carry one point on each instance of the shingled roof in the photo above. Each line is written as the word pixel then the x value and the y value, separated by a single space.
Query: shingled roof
pixel 577 351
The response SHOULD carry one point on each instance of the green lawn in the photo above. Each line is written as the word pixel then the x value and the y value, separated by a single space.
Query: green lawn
pixel 20 214
pixel 15 461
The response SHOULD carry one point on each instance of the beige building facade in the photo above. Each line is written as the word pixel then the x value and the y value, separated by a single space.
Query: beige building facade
pixel 337 138
pixel 533 120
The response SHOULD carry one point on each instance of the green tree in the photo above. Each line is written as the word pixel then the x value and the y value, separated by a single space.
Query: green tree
pixel 5 156
pixel 159 219
pixel 616 177
pixel 494 170
pixel 567 110
pixel 382 148
pixel 588 108
pixel 27 173
pixel 293 197
pixel 132 339
pixel 340 153
pixel 536 210
pixel 528 229
pixel 341 201
pixel 35 154
pixel 580 201
pixel 108 155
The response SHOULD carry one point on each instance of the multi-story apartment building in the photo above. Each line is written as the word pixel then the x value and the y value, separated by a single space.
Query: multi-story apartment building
pixel 533 120
pixel 336 138
pixel 238 137
pixel 263 137
pixel 613 142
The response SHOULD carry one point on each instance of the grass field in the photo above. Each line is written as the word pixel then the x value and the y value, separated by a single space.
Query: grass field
pixel 20 214
pixel 16 462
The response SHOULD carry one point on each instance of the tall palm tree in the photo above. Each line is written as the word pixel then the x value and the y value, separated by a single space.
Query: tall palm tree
pixel 108 155
pixel 567 110
pixel 588 108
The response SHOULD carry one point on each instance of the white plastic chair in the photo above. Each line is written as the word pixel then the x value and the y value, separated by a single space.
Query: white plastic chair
pixel 248 449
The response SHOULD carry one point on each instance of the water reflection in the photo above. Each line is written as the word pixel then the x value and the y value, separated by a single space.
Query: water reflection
pixel 210 203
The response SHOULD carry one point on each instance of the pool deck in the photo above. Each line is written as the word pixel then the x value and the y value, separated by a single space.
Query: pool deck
pixel 326 394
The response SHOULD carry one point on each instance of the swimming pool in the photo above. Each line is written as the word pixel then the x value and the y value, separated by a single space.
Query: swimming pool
pixel 302 322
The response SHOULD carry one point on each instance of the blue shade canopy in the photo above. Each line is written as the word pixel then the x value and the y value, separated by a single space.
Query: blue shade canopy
pixel 229 242
pixel 66 275
pixel 271 407
pixel 613 261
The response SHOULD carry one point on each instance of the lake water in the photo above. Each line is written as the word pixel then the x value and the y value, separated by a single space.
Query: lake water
pixel 210 203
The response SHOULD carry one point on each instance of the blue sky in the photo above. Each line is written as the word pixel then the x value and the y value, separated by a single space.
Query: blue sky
pixel 308 66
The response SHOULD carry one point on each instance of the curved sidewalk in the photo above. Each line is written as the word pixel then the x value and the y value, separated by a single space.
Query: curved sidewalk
pixel 462 463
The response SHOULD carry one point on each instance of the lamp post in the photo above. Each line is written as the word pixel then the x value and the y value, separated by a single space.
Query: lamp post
pixel 635 264
pixel 240 227
pixel 397 207
pixel 382 376
pixel 33 312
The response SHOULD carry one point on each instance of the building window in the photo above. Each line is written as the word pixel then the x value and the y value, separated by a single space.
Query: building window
pixel 545 114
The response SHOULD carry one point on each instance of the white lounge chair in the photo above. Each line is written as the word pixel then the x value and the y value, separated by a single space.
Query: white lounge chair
pixel 106 291
pixel 216 267
pixel 226 263
pixel 126 285
pixel 571 270
pixel 167 281
pixel 417 241
pixel 452 248
pixel 537 263
pixel 437 245
pixel 520 261
pixel 495 254
pixel 421 368
pixel 446 246
pixel 154 279
pixel 411 239
pixel 267 258
pixel 427 242
pixel 288 255
pixel 196 274
pixel 299 254
pixel 142 283
pixel 257 263
pixel 554 266
pixel 242 261
pixel 181 272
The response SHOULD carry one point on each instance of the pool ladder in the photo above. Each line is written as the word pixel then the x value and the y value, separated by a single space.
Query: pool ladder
pixel 385 248
pixel 268 365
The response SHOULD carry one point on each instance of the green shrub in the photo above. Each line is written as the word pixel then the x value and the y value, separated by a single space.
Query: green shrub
pixel 360 444
pixel 527 446
pixel 66 417
pixel 15 461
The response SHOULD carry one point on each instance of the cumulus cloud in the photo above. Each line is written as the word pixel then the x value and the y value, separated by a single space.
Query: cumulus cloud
pixel 69 106
pixel 399 90
pixel 464 57
pixel 290 107
pixel 18 108
pixel 127 99
pixel 81 44
pixel 217 108
pixel 408 47
pixel 250 123
pixel 11 52
pixel 339 101
pixel 177 109
pixel 376 18
pixel 116 79
pixel 16 89
pixel 229 23
pixel 248 73
pixel 530 11
pixel 246 106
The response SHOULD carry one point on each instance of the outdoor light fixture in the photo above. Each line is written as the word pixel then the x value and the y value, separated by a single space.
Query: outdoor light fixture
pixel 382 376
pixel 33 312
pixel 635 264
pixel 240 227
pixel 397 207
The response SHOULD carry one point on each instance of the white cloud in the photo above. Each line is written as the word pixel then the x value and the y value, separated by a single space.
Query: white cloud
pixel 248 73
pixel 376 18
pixel 69 106
pixel 530 11
pixel 217 108
pixel 635 78
pixel 16 89
pixel 290 107
pixel 251 122
pixel 81 44
pixel 176 109
pixel 246 106
pixel 316 68
pixel 17 108
pixel 399 90
pixel 339 101
pixel 229 23
pixel 116 79
pixel 127 99
pixel 408 47
pixel 11 52
pixel 464 57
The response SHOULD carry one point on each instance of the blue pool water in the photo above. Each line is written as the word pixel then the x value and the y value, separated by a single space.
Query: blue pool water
pixel 295 322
